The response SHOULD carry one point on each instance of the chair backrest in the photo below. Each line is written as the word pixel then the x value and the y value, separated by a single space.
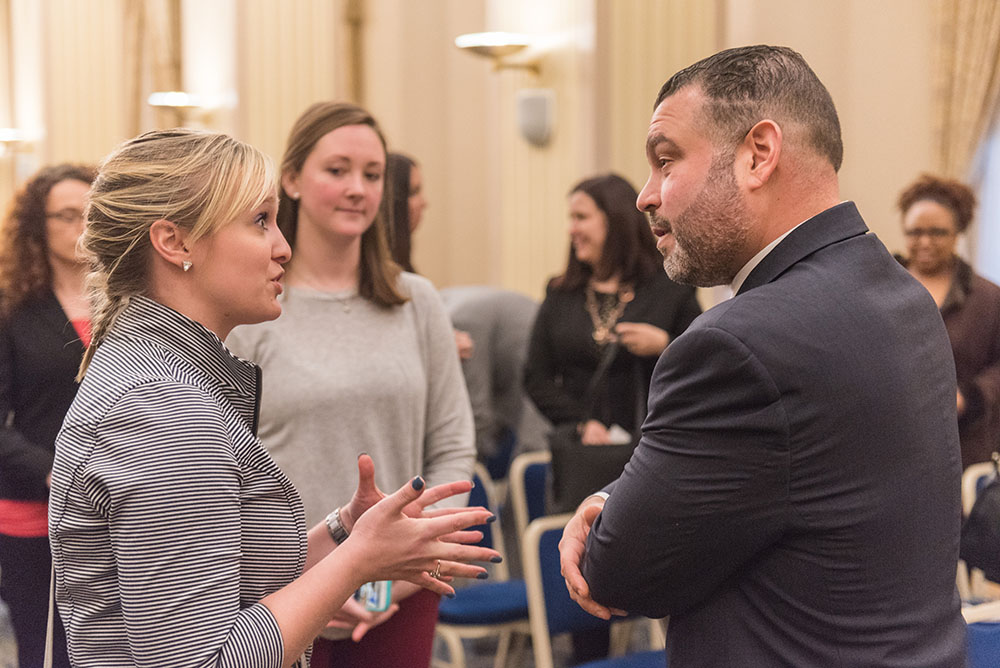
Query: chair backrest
pixel 529 474
pixel 550 608
pixel 974 479
pixel 483 494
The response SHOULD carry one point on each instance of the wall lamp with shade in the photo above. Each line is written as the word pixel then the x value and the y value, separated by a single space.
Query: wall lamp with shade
pixel 189 106
pixel 534 105
pixel 499 47
pixel 14 140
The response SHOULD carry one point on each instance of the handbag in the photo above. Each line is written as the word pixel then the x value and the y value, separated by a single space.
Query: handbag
pixel 579 470
pixel 980 542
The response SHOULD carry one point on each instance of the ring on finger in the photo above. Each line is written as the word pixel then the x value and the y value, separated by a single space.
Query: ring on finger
pixel 436 573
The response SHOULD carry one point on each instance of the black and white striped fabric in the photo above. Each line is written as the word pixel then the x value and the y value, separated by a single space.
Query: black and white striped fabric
pixel 168 520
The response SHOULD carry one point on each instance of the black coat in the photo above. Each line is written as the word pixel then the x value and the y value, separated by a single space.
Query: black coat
pixel 794 500
pixel 562 354
pixel 40 354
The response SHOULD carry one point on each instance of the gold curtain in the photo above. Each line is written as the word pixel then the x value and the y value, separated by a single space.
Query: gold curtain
pixel 968 80
pixel 153 54
pixel 6 107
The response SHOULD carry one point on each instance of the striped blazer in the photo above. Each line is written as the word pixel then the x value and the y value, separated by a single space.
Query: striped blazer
pixel 168 520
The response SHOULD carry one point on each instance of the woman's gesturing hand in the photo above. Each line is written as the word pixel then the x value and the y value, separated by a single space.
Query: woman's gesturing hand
pixel 368 494
pixel 395 545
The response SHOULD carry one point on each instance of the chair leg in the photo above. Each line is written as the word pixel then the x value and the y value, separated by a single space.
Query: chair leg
pixel 518 645
pixel 456 652
pixel 503 650
pixel 621 634
pixel 657 634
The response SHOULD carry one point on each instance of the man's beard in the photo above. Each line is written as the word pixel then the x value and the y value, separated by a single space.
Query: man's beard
pixel 711 234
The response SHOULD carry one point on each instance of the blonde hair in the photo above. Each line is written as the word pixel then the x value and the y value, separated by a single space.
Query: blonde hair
pixel 200 181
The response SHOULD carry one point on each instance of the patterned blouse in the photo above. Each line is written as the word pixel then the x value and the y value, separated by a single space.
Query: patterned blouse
pixel 168 520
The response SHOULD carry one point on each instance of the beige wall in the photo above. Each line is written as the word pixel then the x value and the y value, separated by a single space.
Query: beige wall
pixel 288 58
pixel 875 60
pixel 82 69
pixel 497 203
pixel 437 104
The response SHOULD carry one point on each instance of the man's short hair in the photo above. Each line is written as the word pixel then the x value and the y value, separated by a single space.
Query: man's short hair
pixel 750 83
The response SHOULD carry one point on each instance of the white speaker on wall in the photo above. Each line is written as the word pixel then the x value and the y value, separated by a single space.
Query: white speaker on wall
pixel 535 114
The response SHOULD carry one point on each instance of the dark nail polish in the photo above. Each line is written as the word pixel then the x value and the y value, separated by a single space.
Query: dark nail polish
pixel 450 595
pixel 361 454
pixel 491 518
pixel 496 560
pixel 482 576
pixel 418 483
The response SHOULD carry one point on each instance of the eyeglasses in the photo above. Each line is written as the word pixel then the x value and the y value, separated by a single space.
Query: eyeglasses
pixel 932 232
pixel 67 216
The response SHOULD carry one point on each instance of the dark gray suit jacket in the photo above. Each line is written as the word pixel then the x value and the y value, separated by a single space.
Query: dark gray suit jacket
pixel 795 496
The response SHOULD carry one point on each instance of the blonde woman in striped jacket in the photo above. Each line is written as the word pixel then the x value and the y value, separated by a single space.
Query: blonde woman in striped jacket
pixel 176 539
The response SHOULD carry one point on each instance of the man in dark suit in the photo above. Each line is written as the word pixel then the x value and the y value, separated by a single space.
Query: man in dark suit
pixel 795 496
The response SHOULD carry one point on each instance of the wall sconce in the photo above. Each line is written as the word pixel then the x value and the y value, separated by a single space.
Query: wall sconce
pixel 14 140
pixel 499 47
pixel 188 106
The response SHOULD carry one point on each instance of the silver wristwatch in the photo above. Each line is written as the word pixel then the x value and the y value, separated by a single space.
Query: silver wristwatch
pixel 337 531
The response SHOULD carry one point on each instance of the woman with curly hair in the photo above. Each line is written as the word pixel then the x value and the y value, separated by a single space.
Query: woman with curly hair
pixel 935 211
pixel 44 328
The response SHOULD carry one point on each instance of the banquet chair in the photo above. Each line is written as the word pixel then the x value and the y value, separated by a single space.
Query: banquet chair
pixel 972 584
pixel 550 608
pixel 496 607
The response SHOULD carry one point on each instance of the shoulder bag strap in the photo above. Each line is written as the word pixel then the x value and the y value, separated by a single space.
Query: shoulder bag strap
pixel 47 661
pixel 607 357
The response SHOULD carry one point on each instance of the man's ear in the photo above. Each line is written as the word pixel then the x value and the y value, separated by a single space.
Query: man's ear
pixel 763 145
pixel 169 242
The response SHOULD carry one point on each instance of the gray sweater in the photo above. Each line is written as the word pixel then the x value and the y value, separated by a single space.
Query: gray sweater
pixel 342 376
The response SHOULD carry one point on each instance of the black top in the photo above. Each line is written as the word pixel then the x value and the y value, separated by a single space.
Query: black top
pixel 562 354
pixel 40 354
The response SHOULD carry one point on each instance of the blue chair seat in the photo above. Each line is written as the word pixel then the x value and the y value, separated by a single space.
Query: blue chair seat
pixel 487 603
pixel 983 640
pixel 650 659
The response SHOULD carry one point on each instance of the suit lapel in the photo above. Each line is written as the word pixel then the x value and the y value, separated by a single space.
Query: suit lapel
pixel 829 227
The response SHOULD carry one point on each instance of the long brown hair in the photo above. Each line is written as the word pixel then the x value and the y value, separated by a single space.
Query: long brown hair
pixel 24 245
pixel 379 274
pixel 629 247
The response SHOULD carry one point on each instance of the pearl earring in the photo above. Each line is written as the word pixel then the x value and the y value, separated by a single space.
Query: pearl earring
pixel 186 264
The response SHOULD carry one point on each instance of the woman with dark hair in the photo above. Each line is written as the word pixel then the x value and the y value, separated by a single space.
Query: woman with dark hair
pixel 405 199
pixel 44 327
pixel 614 289
pixel 935 212
pixel 363 359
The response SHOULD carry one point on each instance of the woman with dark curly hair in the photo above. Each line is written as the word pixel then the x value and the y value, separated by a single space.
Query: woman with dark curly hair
pixel 44 328
pixel 935 211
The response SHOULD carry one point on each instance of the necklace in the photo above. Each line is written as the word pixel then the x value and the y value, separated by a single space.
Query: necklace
pixel 604 313
pixel 344 299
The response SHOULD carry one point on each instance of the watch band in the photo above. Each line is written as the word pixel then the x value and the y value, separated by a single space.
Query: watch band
pixel 337 531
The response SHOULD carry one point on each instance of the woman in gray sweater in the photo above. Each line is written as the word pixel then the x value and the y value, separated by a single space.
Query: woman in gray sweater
pixel 362 360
